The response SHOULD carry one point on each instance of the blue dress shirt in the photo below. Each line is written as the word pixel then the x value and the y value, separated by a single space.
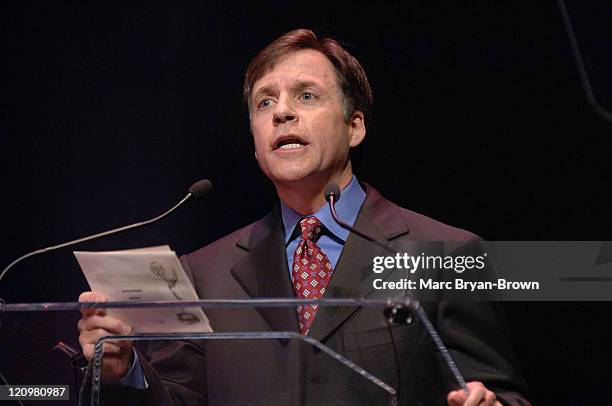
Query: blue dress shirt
pixel 333 236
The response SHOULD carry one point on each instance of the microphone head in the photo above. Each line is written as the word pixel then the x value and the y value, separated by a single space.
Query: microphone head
pixel 332 189
pixel 200 188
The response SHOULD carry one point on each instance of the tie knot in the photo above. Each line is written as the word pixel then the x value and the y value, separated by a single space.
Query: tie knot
pixel 311 228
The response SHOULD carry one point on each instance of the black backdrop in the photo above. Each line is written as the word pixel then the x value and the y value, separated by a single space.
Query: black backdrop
pixel 110 111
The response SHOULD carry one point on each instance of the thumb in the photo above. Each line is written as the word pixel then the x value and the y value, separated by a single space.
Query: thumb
pixel 92 297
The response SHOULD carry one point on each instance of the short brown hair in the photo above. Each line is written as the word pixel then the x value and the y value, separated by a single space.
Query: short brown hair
pixel 355 91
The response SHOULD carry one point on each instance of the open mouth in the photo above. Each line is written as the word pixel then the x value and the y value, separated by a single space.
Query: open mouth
pixel 289 142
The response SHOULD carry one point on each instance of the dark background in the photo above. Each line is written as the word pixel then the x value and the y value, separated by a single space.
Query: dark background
pixel 110 111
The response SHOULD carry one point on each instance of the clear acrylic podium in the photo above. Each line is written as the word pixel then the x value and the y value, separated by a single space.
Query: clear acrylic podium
pixel 300 386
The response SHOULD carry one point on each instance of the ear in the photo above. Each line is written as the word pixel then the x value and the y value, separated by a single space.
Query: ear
pixel 358 129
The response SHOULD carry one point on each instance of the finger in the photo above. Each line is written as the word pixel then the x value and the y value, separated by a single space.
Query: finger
pixel 475 398
pixel 119 348
pixel 456 397
pixel 477 394
pixel 109 349
pixel 88 349
pixel 490 399
pixel 113 325
pixel 90 338
pixel 92 297
pixel 116 348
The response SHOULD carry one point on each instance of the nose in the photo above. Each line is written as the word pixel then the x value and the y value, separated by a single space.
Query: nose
pixel 284 112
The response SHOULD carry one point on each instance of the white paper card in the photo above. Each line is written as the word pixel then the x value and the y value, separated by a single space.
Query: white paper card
pixel 145 274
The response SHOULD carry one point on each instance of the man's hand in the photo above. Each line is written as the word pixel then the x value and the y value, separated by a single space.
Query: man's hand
pixel 96 324
pixel 479 396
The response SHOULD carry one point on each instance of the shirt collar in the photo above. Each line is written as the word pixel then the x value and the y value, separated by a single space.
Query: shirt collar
pixel 347 209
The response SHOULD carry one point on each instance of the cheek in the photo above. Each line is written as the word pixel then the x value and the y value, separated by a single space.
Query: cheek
pixel 258 126
pixel 259 140
pixel 329 125
pixel 340 135
pixel 260 153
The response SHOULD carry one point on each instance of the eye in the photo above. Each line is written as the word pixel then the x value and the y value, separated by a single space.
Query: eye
pixel 264 103
pixel 308 96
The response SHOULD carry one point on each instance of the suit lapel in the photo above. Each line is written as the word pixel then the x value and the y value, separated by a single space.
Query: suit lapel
pixel 379 219
pixel 263 273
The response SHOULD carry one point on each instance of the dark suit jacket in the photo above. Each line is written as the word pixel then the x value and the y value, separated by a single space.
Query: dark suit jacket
pixel 251 263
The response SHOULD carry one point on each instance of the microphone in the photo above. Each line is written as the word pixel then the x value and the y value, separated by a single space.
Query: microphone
pixel 200 188
pixel 332 195
pixel 197 190
pixel 332 191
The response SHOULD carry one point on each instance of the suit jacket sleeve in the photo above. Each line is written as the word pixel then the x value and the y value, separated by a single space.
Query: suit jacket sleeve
pixel 476 334
pixel 486 356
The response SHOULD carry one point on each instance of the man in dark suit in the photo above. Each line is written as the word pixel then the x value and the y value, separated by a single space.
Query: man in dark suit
pixel 308 101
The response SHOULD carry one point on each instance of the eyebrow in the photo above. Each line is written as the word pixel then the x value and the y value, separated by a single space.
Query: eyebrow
pixel 304 84
pixel 296 87
pixel 261 91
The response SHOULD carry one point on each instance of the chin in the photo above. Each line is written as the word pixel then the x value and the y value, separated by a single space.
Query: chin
pixel 290 178
pixel 288 172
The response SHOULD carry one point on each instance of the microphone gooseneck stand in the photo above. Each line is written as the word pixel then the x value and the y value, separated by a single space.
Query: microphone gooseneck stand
pixel 195 191
pixel 198 189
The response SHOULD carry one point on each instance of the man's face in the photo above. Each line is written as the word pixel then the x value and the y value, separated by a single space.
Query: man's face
pixel 298 124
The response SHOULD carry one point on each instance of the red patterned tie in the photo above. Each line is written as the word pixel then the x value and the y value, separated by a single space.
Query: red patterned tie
pixel 311 271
